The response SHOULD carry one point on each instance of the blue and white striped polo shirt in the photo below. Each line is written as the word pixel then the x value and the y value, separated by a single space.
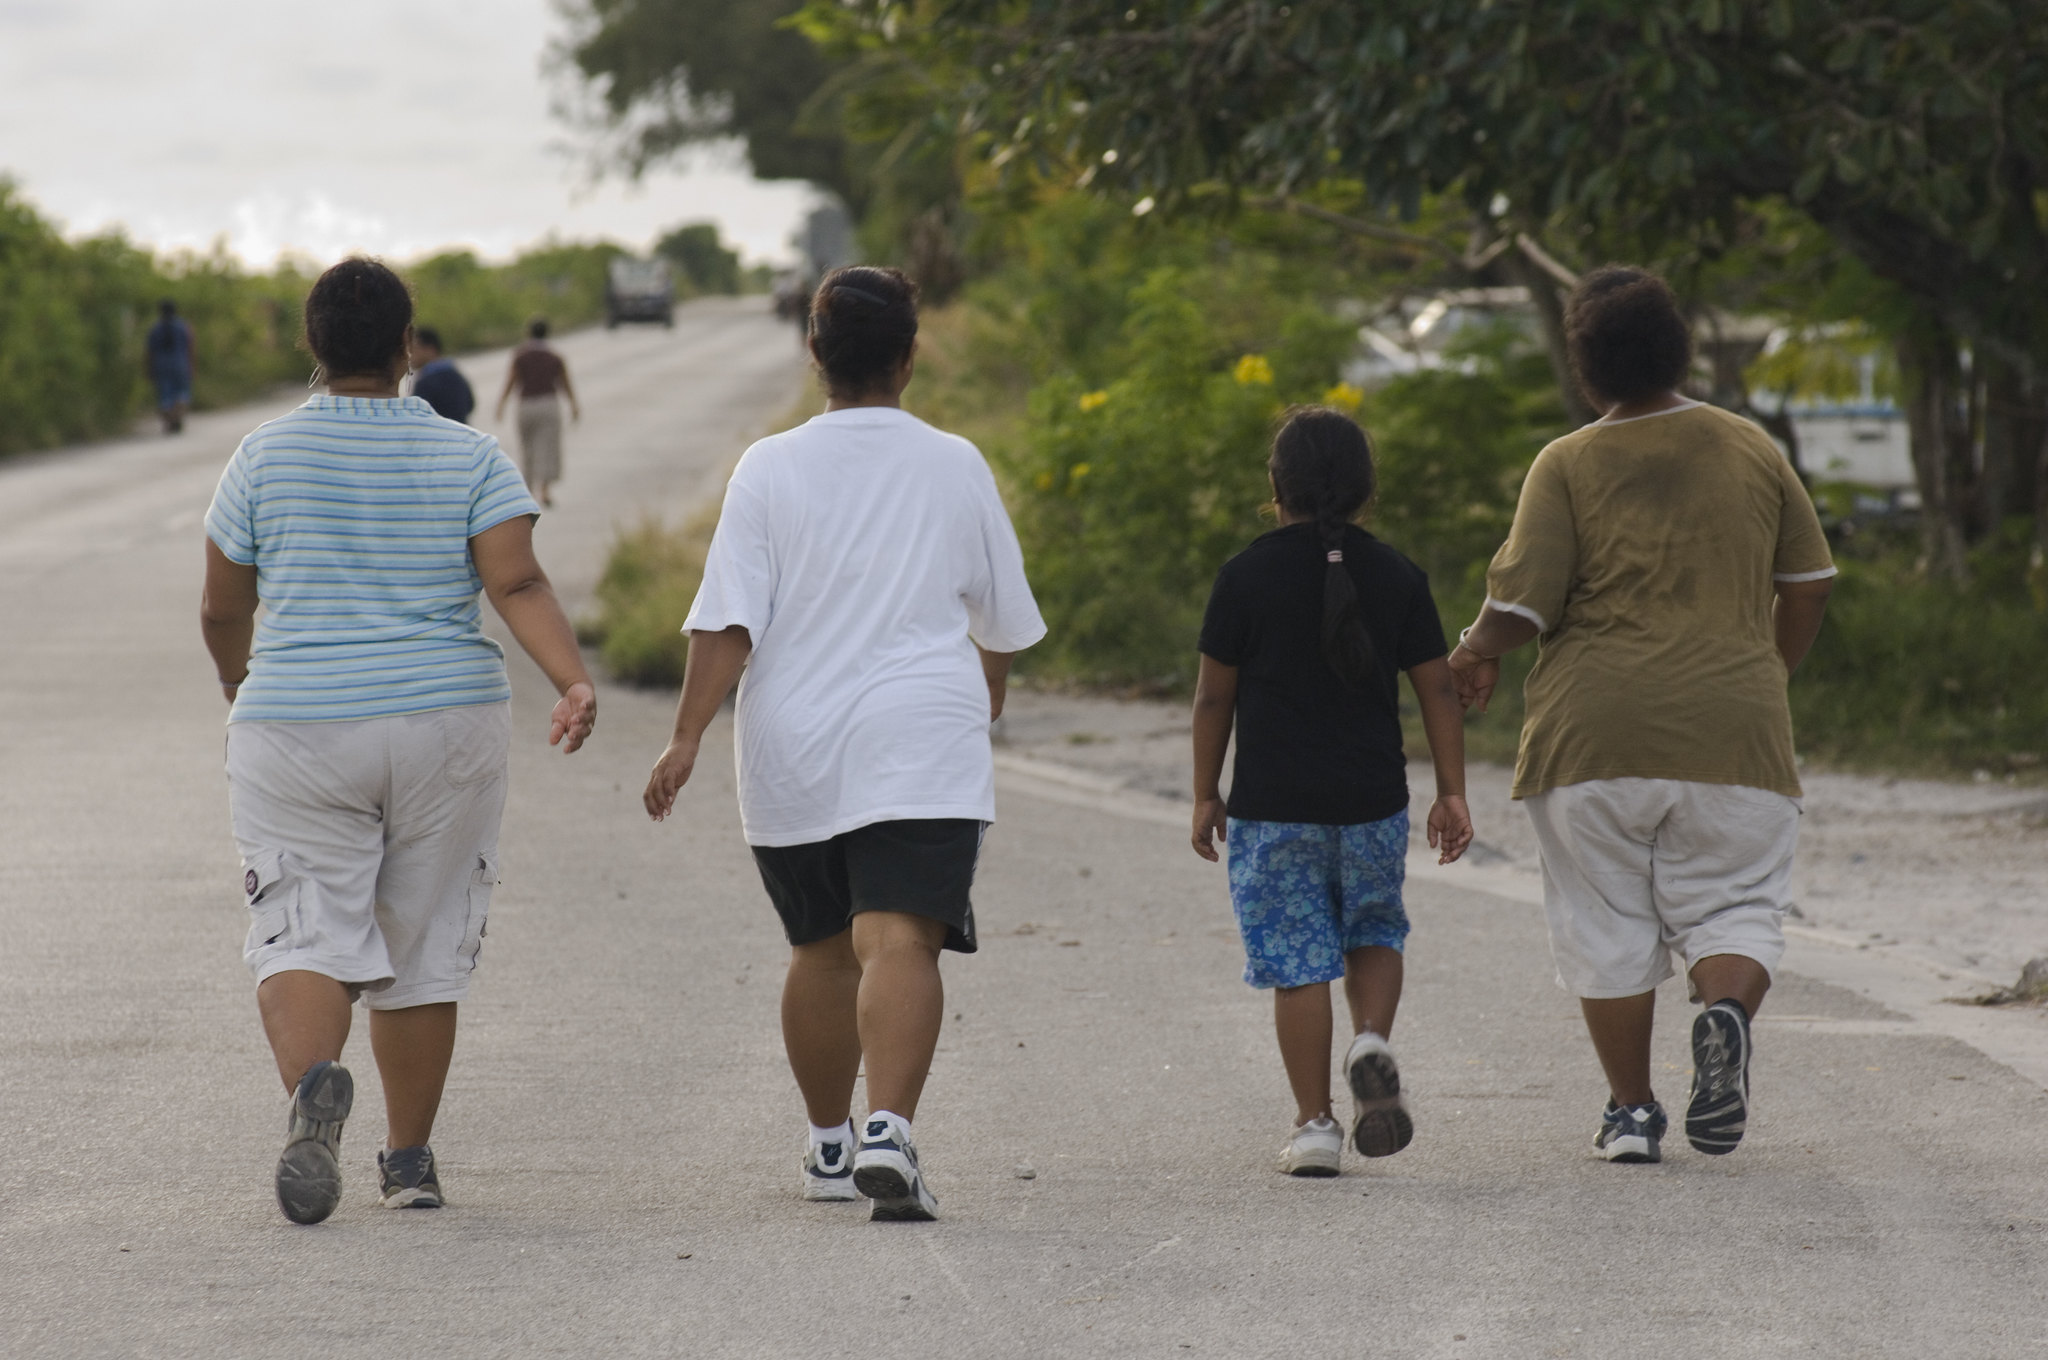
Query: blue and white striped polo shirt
pixel 357 513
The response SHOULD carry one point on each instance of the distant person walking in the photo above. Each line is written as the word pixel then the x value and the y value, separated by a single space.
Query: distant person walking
pixel 1674 567
pixel 1306 636
pixel 866 577
pixel 169 346
pixel 541 379
pixel 437 381
pixel 367 741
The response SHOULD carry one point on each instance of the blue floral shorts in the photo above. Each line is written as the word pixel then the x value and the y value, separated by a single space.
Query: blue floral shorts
pixel 1307 894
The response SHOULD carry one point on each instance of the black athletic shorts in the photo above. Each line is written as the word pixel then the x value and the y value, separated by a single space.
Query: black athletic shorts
pixel 921 867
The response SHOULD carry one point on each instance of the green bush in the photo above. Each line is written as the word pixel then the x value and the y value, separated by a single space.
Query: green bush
pixel 73 316
pixel 71 322
pixel 1128 497
pixel 1910 673
pixel 650 579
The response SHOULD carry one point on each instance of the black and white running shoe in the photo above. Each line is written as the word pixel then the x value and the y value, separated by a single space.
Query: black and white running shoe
pixel 1632 1133
pixel 309 1170
pixel 828 1173
pixel 409 1179
pixel 1381 1126
pixel 1718 1112
pixel 885 1170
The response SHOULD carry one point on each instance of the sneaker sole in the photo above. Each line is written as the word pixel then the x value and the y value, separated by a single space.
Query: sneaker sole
pixel 896 1199
pixel 308 1182
pixel 413 1198
pixel 1632 1150
pixel 1715 1120
pixel 830 1192
pixel 1312 1164
pixel 1383 1126
pixel 308 1175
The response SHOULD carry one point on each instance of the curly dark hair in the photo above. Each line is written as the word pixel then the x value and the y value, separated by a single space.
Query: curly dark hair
pixel 356 317
pixel 863 322
pixel 1322 470
pixel 1627 338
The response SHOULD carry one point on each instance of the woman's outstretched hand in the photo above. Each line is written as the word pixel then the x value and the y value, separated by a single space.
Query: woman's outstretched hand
pixel 575 714
pixel 1210 826
pixel 1450 827
pixel 1475 676
pixel 671 772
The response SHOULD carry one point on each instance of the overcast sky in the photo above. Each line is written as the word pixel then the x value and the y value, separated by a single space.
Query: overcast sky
pixel 396 128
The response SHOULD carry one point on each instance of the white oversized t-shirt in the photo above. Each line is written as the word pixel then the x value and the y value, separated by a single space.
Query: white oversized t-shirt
pixel 866 554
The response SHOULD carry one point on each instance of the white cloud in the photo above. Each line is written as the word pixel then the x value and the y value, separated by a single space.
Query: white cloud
pixel 394 126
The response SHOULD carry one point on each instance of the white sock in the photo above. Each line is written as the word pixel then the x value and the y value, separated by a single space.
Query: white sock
pixel 897 1122
pixel 838 1133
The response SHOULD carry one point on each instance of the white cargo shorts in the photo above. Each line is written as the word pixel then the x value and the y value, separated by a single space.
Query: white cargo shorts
pixel 369 848
pixel 1638 870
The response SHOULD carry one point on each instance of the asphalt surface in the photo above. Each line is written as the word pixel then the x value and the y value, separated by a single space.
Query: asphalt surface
pixel 620 1137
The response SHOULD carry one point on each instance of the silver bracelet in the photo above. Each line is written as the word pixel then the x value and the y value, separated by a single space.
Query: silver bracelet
pixel 1462 633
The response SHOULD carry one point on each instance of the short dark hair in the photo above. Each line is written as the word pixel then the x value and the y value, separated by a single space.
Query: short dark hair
pixel 538 328
pixel 863 323
pixel 356 317
pixel 167 307
pixel 1625 334
pixel 1322 471
pixel 428 336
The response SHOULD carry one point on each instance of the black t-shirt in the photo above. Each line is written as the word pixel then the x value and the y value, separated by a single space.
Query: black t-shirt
pixel 1309 747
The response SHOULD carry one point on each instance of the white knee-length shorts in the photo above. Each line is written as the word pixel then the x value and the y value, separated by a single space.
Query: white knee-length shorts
pixel 1638 870
pixel 369 849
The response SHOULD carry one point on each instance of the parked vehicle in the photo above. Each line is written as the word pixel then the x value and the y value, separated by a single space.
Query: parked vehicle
pixel 639 290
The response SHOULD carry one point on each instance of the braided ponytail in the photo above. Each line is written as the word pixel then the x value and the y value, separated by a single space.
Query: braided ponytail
pixel 1322 471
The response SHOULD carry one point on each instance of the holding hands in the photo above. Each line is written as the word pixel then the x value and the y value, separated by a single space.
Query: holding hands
pixel 1450 827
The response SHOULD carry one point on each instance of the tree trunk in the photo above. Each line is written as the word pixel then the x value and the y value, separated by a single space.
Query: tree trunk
pixel 1543 295
pixel 1931 371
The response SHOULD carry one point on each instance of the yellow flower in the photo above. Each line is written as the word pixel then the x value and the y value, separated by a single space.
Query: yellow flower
pixel 1077 472
pixel 1091 400
pixel 1045 481
pixel 1253 368
pixel 1344 397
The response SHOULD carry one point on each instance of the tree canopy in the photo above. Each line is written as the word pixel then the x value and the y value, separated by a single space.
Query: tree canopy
pixel 1913 131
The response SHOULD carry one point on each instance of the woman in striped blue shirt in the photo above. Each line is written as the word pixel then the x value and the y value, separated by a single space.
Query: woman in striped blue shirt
pixel 369 726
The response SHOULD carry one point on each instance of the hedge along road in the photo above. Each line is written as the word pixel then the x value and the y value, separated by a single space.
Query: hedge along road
pixel 620 1137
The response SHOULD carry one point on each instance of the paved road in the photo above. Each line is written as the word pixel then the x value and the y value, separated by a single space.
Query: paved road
pixel 620 1136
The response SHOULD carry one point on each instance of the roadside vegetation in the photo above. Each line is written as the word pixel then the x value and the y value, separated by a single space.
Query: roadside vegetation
pixel 1144 232
pixel 73 315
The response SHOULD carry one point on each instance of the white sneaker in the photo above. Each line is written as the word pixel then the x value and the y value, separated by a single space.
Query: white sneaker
pixel 885 1170
pixel 1315 1148
pixel 828 1173
pixel 1382 1126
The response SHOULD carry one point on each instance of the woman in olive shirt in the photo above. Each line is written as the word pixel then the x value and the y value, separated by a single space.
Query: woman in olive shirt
pixel 1673 565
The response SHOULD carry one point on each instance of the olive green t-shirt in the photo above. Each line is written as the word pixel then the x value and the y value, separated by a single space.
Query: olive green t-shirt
pixel 1646 551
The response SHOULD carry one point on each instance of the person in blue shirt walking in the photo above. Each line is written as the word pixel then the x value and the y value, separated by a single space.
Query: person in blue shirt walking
pixel 169 346
pixel 1306 635
pixel 368 733
pixel 436 379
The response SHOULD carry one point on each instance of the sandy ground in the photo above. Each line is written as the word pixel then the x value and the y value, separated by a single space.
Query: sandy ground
pixel 1955 874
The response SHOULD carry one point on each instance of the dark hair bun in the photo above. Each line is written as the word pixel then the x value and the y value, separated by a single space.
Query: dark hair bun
pixel 863 322
pixel 1627 338
pixel 356 317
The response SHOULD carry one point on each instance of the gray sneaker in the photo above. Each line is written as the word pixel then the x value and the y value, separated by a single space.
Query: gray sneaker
pixel 408 1177
pixel 309 1170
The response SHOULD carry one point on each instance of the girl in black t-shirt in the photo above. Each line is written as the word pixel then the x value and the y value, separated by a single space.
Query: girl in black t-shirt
pixel 1305 635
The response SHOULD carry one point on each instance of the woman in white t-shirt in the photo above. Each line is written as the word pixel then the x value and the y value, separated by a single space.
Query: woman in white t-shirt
pixel 866 577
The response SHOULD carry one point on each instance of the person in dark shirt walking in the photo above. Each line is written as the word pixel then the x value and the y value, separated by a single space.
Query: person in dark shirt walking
pixel 437 381
pixel 169 347
pixel 537 374
pixel 1305 635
